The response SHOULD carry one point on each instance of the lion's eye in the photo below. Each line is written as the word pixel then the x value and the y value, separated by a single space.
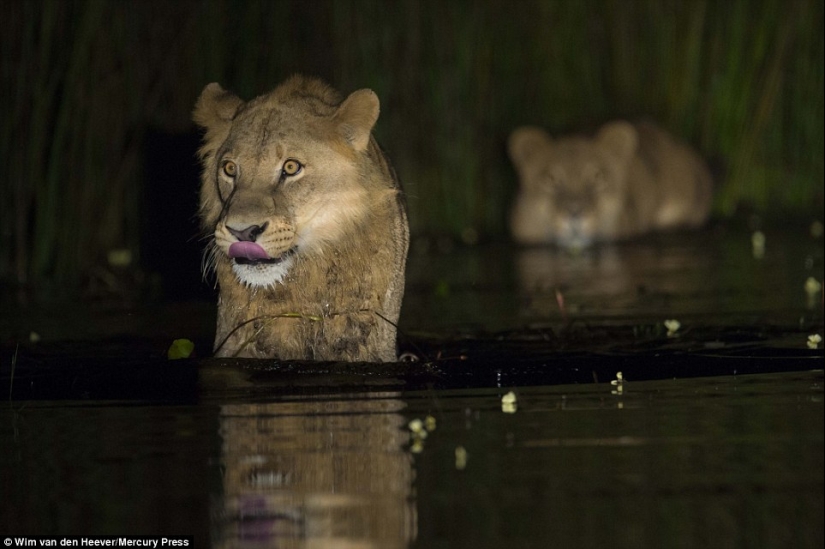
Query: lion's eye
pixel 230 169
pixel 291 167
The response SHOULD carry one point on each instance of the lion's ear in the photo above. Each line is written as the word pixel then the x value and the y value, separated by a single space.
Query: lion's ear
pixel 620 138
pixel 523 144
pixel 356 116
pixel 215 107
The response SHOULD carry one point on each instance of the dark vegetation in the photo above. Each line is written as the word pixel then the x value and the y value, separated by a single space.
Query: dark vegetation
pixel 98 175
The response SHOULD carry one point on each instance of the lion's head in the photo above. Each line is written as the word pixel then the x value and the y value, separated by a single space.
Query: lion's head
pixel 281 175
pixel 573 190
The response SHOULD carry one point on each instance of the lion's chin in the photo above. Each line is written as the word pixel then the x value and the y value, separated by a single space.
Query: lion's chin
pixel 262 274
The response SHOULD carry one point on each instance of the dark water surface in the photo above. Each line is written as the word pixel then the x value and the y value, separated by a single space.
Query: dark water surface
pixel 730 461
pixel 708 436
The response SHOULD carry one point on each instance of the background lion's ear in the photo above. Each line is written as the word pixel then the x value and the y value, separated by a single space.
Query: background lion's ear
pixel 620 138
pixel 356 116
pixel 524 142
pixel 215 106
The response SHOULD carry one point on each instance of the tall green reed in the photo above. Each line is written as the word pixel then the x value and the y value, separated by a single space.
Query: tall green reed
pixel 83 81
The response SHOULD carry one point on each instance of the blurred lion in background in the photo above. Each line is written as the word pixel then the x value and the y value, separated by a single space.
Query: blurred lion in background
pixel 627 180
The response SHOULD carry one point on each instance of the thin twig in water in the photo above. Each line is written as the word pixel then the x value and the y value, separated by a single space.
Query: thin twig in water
pixel 314 318
pixel 421 353
pixel 560 301
pixel 269 318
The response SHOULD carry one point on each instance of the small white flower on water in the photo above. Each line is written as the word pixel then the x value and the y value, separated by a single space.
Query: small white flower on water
pixel 508 403
pixel 618 383
pixel 417 434
pixel 814 340
pixel 758 242
pixel 429 423
pixel 672 326
pixel 417 446
pixel 812 286
pixel 460 458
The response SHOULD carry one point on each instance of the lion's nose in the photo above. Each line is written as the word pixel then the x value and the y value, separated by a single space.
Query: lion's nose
pixel 249 234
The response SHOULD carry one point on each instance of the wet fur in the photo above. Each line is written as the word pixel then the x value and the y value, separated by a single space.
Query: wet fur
pixel 340 225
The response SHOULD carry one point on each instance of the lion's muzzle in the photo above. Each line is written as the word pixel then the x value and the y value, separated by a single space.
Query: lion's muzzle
pixel 261 253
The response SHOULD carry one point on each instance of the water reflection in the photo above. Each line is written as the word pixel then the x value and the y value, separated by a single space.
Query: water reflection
pixel 546 274
pixel 671 274
pixel 315 474
pixel 710 273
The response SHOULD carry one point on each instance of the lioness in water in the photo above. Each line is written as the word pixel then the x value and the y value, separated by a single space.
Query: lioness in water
pixel 627 180
pixel 310 229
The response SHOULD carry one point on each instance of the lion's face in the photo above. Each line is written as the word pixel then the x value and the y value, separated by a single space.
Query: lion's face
pixel 572 190
pixel 286 195
pixel 280 178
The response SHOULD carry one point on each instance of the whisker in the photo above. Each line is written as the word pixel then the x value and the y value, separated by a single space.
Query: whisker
pixel 209 261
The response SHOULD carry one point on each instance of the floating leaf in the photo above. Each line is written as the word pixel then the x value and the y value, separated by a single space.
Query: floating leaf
pixel 180 348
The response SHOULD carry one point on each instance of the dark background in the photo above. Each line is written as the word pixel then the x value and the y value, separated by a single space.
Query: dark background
pixel 99 178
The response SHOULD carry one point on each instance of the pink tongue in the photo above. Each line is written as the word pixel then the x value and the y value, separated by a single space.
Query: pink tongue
pixel 249 250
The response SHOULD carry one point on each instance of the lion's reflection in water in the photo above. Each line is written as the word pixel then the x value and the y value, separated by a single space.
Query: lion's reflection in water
pixel 324 473
pixel 615 280
pixel 550 279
